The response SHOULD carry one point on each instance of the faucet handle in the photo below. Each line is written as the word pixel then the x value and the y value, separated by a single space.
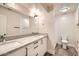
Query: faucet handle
pixel 4 35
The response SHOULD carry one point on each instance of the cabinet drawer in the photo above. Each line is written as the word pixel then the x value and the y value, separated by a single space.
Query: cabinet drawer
pixel 38 48
pixel 19 52
pixel 37 43
pixel 30 50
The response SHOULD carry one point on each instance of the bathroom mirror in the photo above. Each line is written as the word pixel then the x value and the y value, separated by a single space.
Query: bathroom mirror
pixel 13 23
pixel 3 22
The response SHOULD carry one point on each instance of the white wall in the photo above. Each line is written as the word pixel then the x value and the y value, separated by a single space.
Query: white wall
pixel 46 25
pixel 65 27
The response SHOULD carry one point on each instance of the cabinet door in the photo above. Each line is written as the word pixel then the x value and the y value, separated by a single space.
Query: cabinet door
pixel 34 48
pixel 19 52
pixel 30 50
pixel 43 47
pixel 37 48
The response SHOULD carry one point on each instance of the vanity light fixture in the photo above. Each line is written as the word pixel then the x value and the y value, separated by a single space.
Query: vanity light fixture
pixel 65 9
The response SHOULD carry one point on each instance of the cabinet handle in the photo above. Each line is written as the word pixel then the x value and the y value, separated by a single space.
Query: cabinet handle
pixel 26 51
pixel 36 42
pixel 35 47
pixel 42 41
pixel 17 27
pixel 37 54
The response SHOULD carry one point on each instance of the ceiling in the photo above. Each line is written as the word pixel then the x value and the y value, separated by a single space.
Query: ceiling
pixel 48 6
pixel 52 6
pixel 72 6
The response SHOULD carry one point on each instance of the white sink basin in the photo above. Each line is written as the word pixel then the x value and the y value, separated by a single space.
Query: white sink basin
pixel 6 42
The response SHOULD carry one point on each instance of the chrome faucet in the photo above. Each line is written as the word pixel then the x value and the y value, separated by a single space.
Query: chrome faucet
pixel 2 37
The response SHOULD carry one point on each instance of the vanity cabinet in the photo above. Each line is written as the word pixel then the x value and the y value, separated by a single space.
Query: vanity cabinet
pixel 18 52
pixel 37 48
pixel 30 50
pixel 43 47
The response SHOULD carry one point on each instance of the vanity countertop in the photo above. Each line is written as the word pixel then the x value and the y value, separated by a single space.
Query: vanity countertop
pixel 18 43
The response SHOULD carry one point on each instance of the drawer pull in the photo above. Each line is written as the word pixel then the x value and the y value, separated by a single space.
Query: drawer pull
pixel 42 41
pixel 37 54
pixel 36 42
pixel 35 47
pixel 26 51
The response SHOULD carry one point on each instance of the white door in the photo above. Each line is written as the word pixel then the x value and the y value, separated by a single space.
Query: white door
pixel 3 24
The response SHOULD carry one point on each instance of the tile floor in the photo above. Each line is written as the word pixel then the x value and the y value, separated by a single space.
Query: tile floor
pixel 59 51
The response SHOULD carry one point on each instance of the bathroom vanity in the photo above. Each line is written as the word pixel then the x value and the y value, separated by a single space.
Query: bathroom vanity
pixel 28 46
pixel 14 23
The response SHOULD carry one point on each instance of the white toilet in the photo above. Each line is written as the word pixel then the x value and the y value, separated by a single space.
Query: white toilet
pixel 64 43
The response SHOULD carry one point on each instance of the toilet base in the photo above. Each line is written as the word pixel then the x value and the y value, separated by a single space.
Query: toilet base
pixel 64 46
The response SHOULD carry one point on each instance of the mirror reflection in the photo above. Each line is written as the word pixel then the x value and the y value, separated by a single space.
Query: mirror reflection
pixel 13 23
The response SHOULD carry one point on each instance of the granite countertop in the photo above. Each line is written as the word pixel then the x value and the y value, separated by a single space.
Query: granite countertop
pixel 19 36
pixel 17 43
